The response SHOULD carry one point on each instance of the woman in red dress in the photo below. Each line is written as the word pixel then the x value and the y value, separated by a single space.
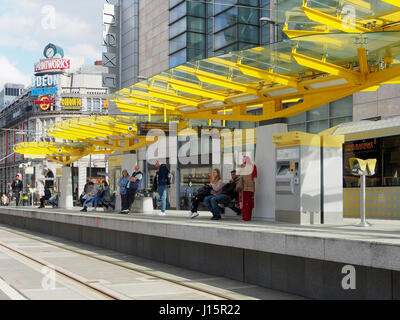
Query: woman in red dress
pixel 248 172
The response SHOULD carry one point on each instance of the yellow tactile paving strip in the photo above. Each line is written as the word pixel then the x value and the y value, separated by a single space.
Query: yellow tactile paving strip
pixel 381 203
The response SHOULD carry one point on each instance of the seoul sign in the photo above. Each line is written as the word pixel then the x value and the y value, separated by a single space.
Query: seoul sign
pixel 71 103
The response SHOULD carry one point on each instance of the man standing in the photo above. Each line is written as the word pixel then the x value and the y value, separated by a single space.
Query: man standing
pixel 162 185
pixel 17 189
pixel 134 184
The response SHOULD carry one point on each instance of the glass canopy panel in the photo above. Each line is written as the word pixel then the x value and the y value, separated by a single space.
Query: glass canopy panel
pixel 339 48
pixel 359 9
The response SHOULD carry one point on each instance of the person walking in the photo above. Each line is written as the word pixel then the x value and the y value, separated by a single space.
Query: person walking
pixel 163 182
pixel 208 191
pixel 17 188
pixel 134 184
pixel 123 183
pixel 248 173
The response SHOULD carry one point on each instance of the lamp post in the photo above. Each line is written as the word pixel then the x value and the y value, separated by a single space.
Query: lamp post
pixel 268 20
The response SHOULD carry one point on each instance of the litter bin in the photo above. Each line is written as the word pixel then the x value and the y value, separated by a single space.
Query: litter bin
pixel 25 199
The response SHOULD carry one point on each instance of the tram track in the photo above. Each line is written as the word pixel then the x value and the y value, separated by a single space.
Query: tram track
pixel 79 284
pixel 109 261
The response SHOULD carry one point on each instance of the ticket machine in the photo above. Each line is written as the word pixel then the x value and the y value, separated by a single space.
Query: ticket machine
pixel 309 179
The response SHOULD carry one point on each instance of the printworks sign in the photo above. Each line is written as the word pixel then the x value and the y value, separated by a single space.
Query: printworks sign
pixel 53 65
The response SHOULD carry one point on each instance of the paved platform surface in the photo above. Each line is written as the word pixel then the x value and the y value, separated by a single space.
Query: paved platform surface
pixel 377 246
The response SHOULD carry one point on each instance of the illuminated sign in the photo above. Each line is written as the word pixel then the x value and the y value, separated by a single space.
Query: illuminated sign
pixel 45 103
pixel 46 81
pixel 359 146
pixel 71 103
pixel 43 91
pixel 52 65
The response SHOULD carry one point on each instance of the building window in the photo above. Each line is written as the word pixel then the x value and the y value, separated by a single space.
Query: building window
pixel 324 117
pixel 96 105
pixel 178 58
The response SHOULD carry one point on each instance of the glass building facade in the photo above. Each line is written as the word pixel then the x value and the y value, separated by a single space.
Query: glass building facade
pixel 324 117
pixel 202 29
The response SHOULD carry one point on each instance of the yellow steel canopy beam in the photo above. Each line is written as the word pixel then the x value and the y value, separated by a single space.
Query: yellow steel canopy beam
pixel 192 88
pixel 218 80
pixel 326 67
pixel 258 73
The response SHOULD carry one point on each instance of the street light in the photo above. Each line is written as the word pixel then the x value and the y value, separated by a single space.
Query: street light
pixel 268 20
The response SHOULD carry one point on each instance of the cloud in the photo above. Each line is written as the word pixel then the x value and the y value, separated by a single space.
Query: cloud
pixel 9 72
pixel 27 26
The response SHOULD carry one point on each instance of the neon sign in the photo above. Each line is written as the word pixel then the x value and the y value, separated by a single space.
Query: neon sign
pixel 52 65
pixel 45 103
pixel 44 91
pixel 46 81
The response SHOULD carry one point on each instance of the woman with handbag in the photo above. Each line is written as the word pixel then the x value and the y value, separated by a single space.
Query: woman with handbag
pixel 246 187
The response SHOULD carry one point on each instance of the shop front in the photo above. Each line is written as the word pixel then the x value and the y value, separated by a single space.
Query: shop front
pixel 373 140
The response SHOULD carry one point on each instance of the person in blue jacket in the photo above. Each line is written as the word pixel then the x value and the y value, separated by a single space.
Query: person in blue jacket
pixel 123 184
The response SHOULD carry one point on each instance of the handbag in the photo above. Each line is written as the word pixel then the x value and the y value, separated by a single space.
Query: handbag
pixel 240 185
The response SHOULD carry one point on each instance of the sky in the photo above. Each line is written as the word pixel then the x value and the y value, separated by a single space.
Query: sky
pixel 27 26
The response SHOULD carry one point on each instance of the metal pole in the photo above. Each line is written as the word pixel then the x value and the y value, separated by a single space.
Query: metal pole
pixel 90 171
pixel 363 222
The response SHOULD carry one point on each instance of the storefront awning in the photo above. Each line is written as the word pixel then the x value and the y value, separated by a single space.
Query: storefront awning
pixel 366 129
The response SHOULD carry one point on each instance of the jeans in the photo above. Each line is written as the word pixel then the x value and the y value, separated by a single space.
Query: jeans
pixel 213 201
pixel 162 196
pixel 95 201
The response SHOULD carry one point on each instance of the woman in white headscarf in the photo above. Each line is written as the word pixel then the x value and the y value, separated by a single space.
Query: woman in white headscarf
pixel 248 173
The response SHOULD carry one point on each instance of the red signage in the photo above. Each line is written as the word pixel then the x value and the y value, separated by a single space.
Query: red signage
pixel 52 64
pixel 45 103
pixel 359 146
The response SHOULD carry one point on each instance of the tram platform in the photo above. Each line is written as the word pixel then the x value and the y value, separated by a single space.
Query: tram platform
pixel 304 260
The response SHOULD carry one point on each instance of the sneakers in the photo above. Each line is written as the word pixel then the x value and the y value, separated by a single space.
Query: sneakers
pixel 94 210
pixel 162 214
pixel 84 210
pixel 216 218
pixel 190 214
pixel 124 212
pixel 194 215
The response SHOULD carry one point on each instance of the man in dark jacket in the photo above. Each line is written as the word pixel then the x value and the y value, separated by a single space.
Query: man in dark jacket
pixel 162 185
pixel 17 187
pixel 227 195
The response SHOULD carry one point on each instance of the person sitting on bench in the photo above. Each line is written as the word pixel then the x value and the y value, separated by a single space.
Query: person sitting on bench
pixel 227 195
pixel 47 196
pixel 101 195
pixel 208 190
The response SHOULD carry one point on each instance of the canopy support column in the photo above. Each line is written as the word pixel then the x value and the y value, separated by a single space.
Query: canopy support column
pixel 66 200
